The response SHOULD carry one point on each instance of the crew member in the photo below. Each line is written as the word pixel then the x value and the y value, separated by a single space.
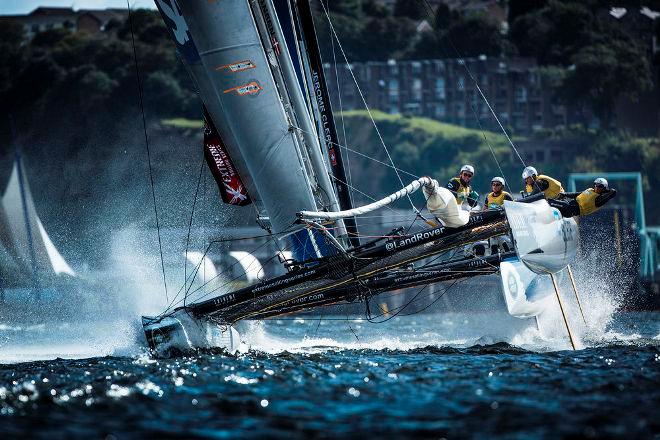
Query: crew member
pixel 586 202
pixel 536 183
pixel 460 186
pixel 496 198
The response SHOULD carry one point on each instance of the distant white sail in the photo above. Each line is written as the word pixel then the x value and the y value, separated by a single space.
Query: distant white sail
pixel 23 233
pixel 58 263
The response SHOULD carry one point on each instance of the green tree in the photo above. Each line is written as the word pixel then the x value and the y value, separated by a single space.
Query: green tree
pixel 444 17
pixel 49 38
pixel 386 38
pixel 11 55
pixel 522 7
pixel 415 10
pixel 163 94
pixel 352 8
pixel 372 9
pixel 554 33
pixel 472 36
pixel 603 73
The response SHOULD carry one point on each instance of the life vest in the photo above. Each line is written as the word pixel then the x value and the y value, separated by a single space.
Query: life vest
pixel 463 192
pixel 587 201
pixel 554 188
pixel 493 202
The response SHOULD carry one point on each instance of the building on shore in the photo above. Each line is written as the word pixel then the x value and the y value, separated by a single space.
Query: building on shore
pixel 445 90
pixel 84 20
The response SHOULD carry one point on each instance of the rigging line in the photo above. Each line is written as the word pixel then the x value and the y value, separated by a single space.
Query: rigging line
pixel 318 325
pixel 206 294
pixel 190 277
pixel 222 273
pixel 341 112
pixel 434 301
pixel 364 101
pixel 146 141
pixel 362 193
pixel 192 213
pixel 476 85
pixel 365 156
pixel 399 309
pixel 413 300
pixel 351 328
pixel 231 280
pixel 490 147
pixel 193 275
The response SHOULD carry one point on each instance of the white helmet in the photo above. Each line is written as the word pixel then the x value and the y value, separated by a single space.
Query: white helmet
pixel 498 179
pixel 468 168
pixel 529 172
pixel 602 181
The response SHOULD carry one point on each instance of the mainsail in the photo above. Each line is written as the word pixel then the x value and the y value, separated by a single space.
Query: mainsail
pixel 238 71
pixel 27 247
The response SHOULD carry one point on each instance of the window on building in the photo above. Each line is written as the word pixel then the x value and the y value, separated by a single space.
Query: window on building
pixel 393 66
pixel 417 90
pixel 521 94
pixel 416 67
pixel 393 91
pixel 460 85
pixel 412 108
pixel 474 101
pixel 460 109
pixel 440 110
pixel 440 88
pixel 533 78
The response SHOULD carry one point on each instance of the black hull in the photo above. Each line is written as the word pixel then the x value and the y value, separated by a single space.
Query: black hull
pixel 368 269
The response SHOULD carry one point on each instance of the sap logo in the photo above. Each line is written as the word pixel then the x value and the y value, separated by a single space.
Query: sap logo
pixel 179 28
pixel 556 214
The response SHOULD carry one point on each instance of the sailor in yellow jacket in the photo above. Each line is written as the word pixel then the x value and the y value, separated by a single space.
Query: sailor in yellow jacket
pixel 586 202
pixel 536 183
pixel 495 199
pixel 460 186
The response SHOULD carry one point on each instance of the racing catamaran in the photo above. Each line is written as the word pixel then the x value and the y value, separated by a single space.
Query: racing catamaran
pixel 271 143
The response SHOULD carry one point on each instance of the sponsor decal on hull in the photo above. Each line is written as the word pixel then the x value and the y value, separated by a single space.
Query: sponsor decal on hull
pixel 420 236
pixel 284 281
pixel 246 89
pixel 238 66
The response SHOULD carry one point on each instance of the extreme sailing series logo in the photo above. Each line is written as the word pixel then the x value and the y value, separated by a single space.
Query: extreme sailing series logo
pixel 416 238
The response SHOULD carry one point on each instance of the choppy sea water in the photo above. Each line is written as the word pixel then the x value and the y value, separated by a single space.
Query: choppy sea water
pixel 482 375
